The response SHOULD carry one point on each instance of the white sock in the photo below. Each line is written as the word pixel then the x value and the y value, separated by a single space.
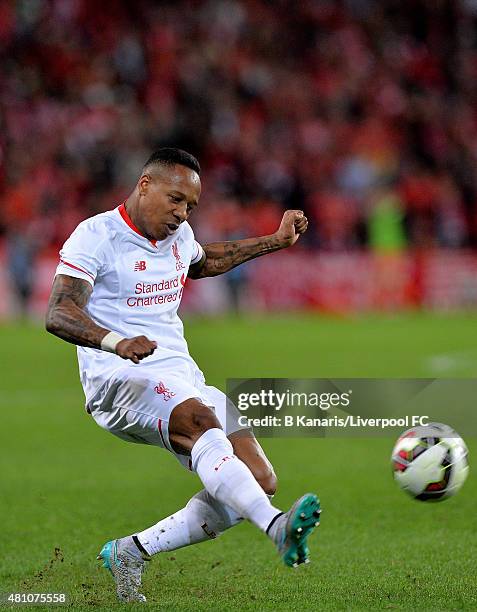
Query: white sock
pixel 203 518
pixel 229 480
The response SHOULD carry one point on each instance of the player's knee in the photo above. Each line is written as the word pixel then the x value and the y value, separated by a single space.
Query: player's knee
pixel 189 421
pixel 267 480
pixel 203 418
pixel 192 418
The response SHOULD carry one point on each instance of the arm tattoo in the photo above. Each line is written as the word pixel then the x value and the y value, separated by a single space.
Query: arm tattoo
pixel 66 316
pixel 223 256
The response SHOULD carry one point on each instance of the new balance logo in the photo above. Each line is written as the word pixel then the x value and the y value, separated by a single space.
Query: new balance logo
pixel 139 266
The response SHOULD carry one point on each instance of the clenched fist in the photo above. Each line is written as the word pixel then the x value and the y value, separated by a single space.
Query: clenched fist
pixel 293 224
pixel 136 348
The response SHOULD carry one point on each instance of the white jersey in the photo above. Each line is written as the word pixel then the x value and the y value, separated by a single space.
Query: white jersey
pixel 137 287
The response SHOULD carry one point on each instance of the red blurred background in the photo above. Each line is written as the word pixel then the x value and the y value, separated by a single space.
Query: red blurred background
pixel 362 113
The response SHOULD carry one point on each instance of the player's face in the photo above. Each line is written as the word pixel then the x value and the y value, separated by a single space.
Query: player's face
pixel 168 195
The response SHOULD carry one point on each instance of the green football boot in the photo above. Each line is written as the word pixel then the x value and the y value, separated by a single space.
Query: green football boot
pixel 291 530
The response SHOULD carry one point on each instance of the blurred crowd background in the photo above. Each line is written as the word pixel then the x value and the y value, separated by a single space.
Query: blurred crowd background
pixel 363 113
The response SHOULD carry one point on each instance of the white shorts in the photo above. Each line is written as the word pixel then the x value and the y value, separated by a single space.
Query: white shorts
pixel 137 402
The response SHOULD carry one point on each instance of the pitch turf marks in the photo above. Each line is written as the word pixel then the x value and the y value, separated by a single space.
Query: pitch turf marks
pixel 45 571
pixel 90 595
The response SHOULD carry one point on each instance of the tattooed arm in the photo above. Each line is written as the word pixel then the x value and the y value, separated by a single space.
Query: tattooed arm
pixel 66 318
pixel 220 257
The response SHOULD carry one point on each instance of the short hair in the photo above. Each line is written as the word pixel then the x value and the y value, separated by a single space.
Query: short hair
pixel 169 156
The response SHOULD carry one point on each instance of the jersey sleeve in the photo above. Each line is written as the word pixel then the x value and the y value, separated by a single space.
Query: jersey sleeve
pixel 83 254
pixel 197 253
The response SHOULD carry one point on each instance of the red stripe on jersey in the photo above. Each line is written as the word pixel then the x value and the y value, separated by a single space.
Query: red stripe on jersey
pixel 159 426
pixel 197 254
pixel 127 219
pixel 62 261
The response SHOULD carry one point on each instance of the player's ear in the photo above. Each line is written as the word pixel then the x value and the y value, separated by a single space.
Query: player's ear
pixel 143 184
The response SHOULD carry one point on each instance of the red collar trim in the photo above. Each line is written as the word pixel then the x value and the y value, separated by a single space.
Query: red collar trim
pixel 124 214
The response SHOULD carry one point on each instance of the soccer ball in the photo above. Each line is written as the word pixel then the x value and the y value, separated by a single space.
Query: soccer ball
pixel 429 462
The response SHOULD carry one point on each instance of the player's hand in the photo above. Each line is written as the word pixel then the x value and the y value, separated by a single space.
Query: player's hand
pixel 293 224
pixel 136 348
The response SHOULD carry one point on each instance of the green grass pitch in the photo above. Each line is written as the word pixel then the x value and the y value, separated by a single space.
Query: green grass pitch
pixel 68 485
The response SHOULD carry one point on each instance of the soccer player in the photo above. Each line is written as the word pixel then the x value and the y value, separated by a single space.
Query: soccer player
pixel 115 295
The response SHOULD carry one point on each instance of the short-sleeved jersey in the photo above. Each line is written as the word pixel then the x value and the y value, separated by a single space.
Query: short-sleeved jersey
pixel 137 287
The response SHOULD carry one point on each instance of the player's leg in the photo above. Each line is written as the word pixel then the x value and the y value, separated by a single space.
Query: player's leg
pixel 204 517
pixel 194 428
pixel 134 411
pixel 247 449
